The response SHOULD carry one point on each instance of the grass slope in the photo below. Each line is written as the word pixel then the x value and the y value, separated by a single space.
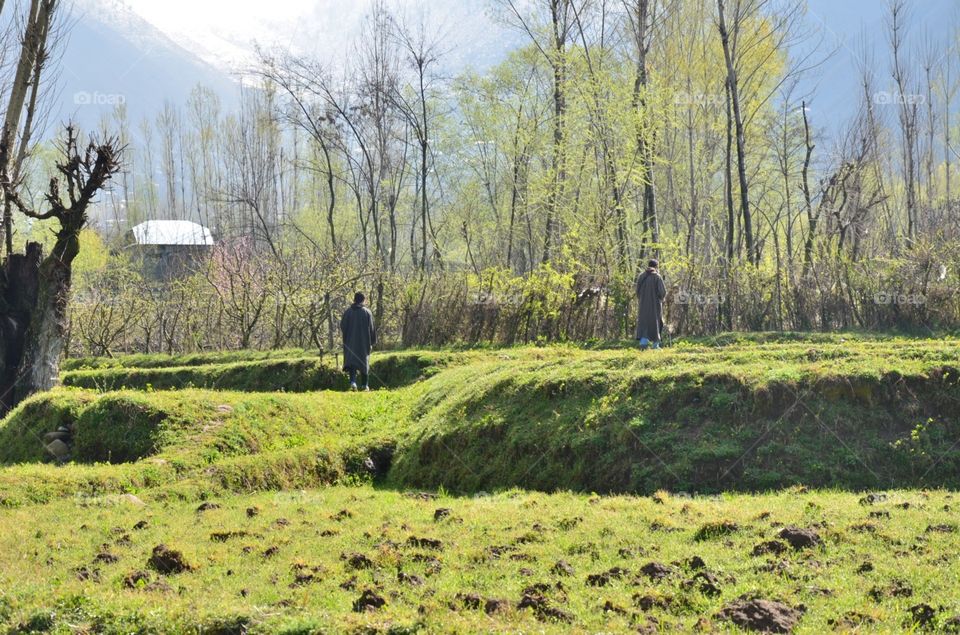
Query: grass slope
pixel 691 418
pixel 742 416
pixel 193 440
pixel 245 371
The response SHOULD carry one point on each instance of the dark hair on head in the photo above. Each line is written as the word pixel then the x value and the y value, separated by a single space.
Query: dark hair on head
pixel 358 298
pixel 653 263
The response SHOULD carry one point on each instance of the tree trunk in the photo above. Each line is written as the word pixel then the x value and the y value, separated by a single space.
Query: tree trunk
pixel 559 133
pixel 46 336
pixel 807 201
pixel 19 283
pixel 732 83
pixel 651 223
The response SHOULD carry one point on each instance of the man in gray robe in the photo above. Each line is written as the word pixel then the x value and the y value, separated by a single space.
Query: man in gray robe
pixel 650 293
pixel 359 336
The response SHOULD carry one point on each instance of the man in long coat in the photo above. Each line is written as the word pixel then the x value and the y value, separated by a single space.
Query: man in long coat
pixel 359 336
pixel 650 293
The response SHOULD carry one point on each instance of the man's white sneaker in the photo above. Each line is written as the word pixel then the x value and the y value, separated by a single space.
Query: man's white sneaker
pixel 366 389
pixel 353 388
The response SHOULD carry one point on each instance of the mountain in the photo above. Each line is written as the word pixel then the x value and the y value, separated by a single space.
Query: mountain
pixel 844 29
pixel 144 52
pixel 114 56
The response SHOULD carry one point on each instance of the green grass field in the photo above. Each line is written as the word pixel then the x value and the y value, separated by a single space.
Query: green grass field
pixel 556 489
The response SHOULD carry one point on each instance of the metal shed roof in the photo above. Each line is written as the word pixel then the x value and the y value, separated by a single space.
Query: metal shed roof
pixel 171 232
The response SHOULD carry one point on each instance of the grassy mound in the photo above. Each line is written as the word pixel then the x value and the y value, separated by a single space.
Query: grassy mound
pixel 288 374
pixel 194 441
pixel 160 360
pixel 855 414
pixel 691 419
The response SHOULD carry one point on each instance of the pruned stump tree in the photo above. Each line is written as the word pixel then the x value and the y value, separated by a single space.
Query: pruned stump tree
pixel 35 289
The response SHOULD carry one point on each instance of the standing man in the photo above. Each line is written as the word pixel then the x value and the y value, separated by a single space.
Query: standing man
pixel 650 293
pixel 359 336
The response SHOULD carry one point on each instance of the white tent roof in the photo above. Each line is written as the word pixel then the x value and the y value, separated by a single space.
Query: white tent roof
pixel 172 232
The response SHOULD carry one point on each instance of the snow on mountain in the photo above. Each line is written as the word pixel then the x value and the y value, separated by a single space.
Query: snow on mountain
pixel 145 52
pixel 114 56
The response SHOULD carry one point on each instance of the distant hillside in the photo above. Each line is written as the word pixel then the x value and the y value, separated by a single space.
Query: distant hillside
pixel 144 52
pixel 116 53
pixel 113 55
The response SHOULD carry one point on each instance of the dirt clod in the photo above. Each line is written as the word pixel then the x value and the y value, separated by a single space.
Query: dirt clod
pixel 105 557
pixel 409 578
pixel 941 529
pixel 369 600
pixel 895 589
pixel 873 498
pixel 470 601
pixel 851 620
pixel 767 616
pixel 770 546
pixel 704 582
pixel 610 607
pixel 357 561
pixel 224 536
pixel 85 574
pixel 136 579
pixel 649 602
pixel 425 543
pixel 542 608
pixel 800 538
pixel 716 530
pixel 655 570
pixel 696 562
pixel 270 551
pixel 922 615
pixel 168 561
pixel 603 579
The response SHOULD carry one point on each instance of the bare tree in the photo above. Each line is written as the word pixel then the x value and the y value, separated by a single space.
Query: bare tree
pixel 641 16
pixel 729 43
pixel 40 287
pixel 422 54
pixel 22 101
pixel 908 109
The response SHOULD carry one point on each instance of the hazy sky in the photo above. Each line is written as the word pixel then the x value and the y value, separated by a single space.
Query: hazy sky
pixel 235 15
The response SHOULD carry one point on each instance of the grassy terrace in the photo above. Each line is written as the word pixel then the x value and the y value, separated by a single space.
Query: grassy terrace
pixel 541 455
